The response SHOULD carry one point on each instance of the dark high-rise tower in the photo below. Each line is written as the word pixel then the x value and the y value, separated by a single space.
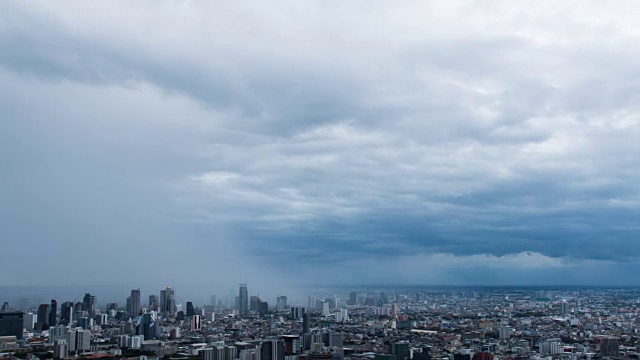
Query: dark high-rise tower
pixel 89 304
pixel 263 307
pixel 11 323
pixel 353 298
pixel 190 310
pixel 43 315
pixel 133 303
pixel 272 350
pixel 168 300
pixel 243 303
pixel 305 324
pixel 147 326
pixel 66 313
pixel 53 314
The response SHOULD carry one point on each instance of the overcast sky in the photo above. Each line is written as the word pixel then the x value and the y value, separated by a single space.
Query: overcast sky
pixel 202 144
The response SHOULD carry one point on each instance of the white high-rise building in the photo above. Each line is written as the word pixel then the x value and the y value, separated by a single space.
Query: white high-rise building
pixel 196 323
pixel 564 307
pixel 29 321
pixel 325 307
pixel 311 302
pixel 135 341
pixel 123 341
pixel 550 346
pixel 79 340
pixel 281 303
pixel 342 316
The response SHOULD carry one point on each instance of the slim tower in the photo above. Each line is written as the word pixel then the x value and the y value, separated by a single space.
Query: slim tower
pixel 133 303
pixel 43 315
pixel 243 299
pixel 53 314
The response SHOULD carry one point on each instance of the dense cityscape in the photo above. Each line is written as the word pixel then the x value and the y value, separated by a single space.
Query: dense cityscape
pixel 481 323
pixel 319 180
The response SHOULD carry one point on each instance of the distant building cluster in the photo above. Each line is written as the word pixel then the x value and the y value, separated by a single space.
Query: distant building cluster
pixel 367 324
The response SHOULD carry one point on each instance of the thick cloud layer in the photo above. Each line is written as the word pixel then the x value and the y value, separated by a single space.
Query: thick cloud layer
pixel 320 142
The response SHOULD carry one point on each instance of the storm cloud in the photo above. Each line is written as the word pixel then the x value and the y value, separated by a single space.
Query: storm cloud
pixel 292 142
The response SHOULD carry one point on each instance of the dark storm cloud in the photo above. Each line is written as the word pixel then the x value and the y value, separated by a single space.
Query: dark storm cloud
pixel 274 95
pixel 462 138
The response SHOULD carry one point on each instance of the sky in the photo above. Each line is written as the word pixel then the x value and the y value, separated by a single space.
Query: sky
pixel 286 143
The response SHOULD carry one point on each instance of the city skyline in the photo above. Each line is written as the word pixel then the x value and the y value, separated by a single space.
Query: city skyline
pixel 210 144
pixel 340 323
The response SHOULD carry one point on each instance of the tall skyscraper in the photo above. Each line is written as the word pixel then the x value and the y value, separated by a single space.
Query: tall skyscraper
pixel 89 304
pixel 311 302
pixel 133 303
pixel 5 306
pixel 43 316
pixel 281 303
pixel 324 307
pixel 305 324
pixel 243 303
pixel 53 313
pixel 30 320
pixel 263 307
pixel 168 300
pixel 190 310
pixel 564 307
pixel 66 313
pixel 342 315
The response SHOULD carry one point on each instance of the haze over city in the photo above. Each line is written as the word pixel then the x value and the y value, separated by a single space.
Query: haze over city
pixel 289 143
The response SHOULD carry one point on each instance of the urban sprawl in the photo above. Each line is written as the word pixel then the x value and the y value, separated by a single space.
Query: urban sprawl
pixel 339 324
